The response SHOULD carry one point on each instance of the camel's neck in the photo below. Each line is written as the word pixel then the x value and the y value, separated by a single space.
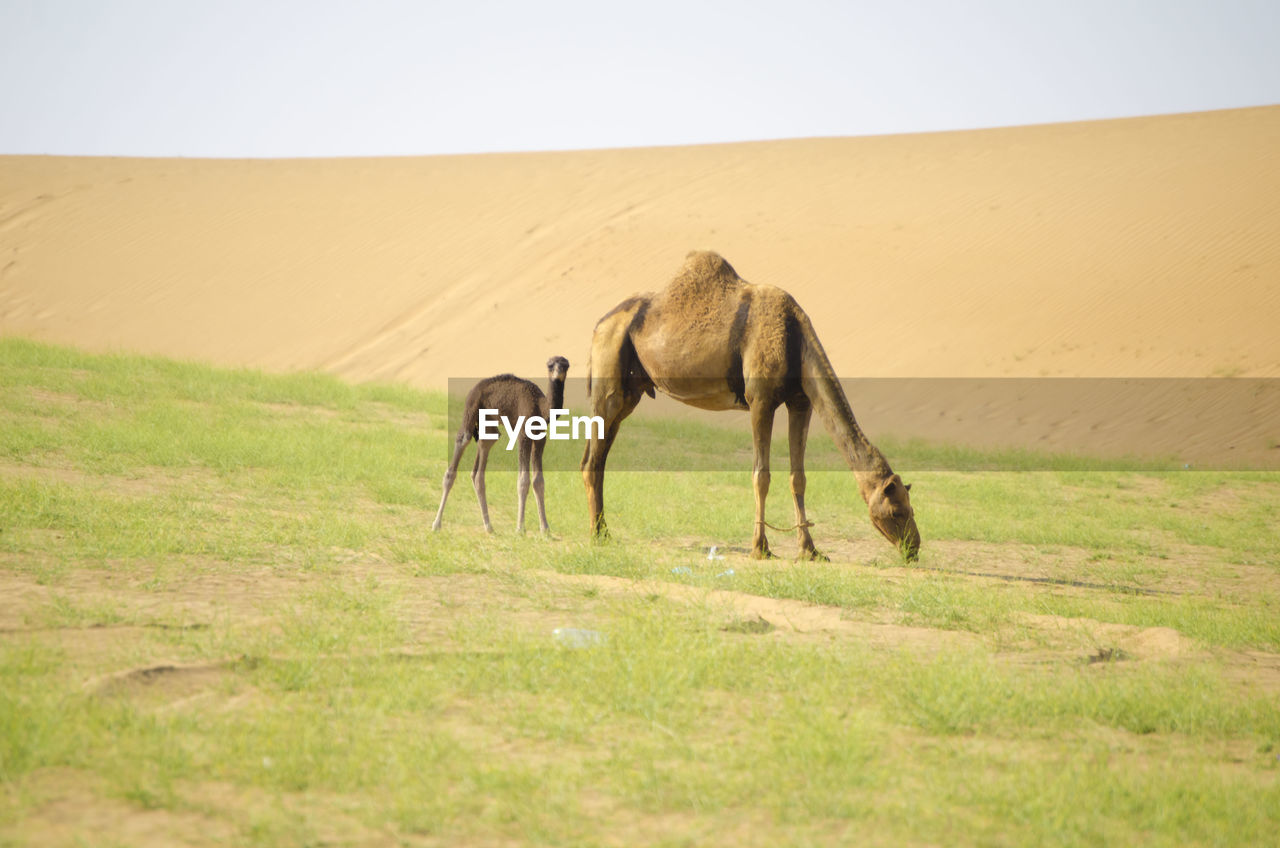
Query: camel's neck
pixel 557 394
pixel 828 398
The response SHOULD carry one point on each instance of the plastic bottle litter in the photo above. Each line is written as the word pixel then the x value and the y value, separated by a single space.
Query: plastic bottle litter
pixel 682 569
pixel 712 555
pixel 574 637
pixel 728 572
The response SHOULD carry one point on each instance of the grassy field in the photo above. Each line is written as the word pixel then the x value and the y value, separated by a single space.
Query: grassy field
pixel 224 620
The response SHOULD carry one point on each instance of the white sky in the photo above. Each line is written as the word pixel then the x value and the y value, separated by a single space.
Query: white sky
pixel 236 78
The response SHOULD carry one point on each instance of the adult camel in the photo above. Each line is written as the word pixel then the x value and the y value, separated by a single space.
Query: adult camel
pixel 714 341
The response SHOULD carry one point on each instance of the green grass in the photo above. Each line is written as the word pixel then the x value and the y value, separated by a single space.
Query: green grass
pixel 341 675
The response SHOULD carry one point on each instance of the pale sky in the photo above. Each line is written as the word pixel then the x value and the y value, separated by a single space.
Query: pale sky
pixel 278 79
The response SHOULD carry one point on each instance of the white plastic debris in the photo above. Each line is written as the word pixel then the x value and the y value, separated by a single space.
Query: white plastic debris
pixel 574 637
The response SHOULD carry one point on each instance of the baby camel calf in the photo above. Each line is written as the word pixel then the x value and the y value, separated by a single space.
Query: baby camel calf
pixel 511 397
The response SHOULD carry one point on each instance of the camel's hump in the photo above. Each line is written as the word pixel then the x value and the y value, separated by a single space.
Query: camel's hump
pixel 704 294
pixel 706 264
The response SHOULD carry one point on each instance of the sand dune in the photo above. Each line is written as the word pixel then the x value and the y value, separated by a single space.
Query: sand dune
pixel 1139 248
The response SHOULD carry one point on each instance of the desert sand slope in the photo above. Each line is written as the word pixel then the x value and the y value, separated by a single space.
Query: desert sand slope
pixel 1145 247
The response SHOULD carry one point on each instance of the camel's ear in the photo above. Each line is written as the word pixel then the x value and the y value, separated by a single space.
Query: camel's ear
pixel 893 483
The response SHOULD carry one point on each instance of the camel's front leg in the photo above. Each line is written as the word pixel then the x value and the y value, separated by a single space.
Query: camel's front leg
pixel 613 409
pixel 761 436
pixel 540 489
pixel 798 414
pixel 539 484
pixel 593 460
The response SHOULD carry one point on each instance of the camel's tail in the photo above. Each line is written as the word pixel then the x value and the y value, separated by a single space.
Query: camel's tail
pixel 470 425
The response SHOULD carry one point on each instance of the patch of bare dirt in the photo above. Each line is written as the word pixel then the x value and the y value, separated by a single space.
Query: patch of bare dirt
pixel 1095 641
pixel 69 812
pixel 435 607
pixel 1254 669
pixel 1230 498
pixel 189 601
pixel 1064 567
pixel 787 619
pixel 166 679
pixel 1184 570
pixel 72 809
pixel 86 649
pixel 1122 640
pixel 1059 565
pixel 49 397
pixel 324 818
pixel 148 482
pixel 173 686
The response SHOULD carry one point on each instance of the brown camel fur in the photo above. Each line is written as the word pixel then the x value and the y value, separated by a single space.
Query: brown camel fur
pixel 512 397
pixel 714 341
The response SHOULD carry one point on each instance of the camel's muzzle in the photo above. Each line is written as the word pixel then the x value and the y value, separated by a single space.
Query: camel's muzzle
pixel 902 535
pixel 909 543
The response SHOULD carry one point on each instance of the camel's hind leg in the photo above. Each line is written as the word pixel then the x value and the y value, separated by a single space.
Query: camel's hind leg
pixel 762 438
pixel 798 413
pixel 460 443
pixel 483 446
pixel 525 448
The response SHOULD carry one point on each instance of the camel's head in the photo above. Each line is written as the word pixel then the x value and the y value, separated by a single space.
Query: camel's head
pixel 891 513
pixel 557 368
